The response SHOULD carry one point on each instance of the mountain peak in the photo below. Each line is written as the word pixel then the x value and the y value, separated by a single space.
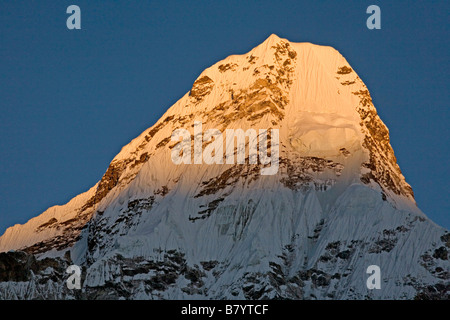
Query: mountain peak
pixel 309 93
pixel 337 192
pixel 273 38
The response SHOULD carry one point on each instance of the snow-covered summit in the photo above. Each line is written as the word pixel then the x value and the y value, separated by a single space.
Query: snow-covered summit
pixel 337 204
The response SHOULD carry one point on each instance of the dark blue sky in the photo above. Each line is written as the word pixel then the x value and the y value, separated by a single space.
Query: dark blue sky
pixel 70 99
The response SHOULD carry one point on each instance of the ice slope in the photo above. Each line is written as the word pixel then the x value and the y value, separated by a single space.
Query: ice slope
pixel 55 222
pixel 338 203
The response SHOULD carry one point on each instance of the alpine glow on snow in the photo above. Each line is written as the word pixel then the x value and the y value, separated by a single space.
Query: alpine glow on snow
pixel 337 204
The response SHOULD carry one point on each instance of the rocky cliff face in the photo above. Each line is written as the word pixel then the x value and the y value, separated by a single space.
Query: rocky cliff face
pixel 151 229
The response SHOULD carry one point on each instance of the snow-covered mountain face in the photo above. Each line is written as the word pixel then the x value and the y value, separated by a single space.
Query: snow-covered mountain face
pixel 337 204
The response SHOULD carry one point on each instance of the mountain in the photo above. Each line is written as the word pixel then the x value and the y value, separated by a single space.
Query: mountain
pixel 306 225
